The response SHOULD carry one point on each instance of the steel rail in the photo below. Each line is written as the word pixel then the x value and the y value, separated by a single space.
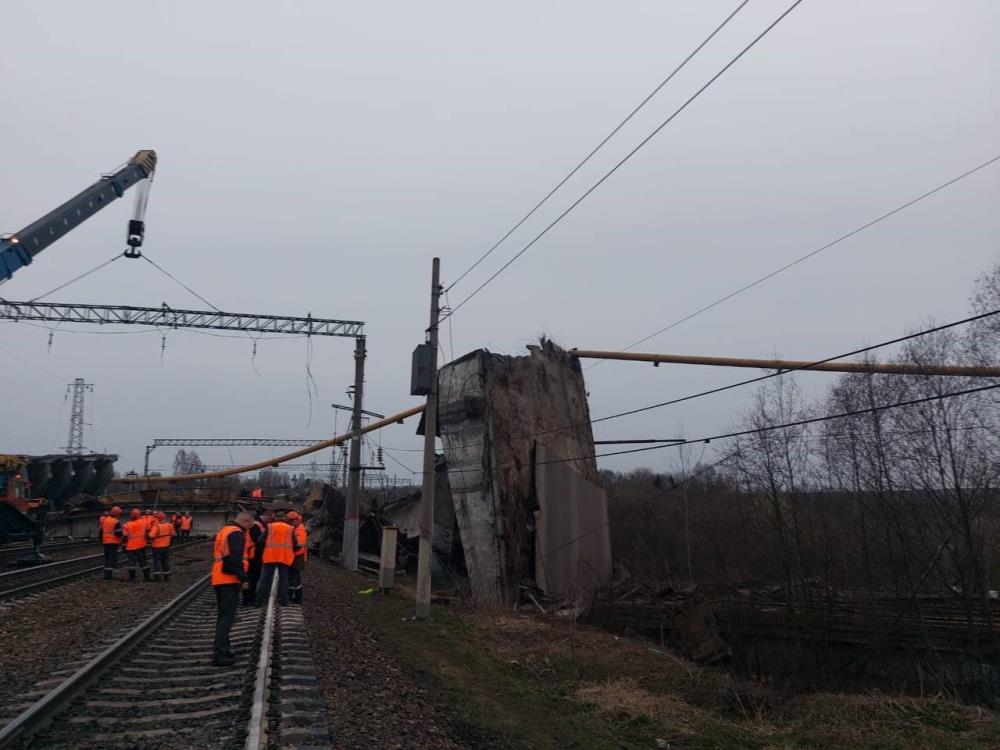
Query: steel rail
pixel 31 588
pixel 257 726
pixel 37 716
pixel 45 583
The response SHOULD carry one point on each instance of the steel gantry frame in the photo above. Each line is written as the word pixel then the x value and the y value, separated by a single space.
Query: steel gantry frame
pixel 168 317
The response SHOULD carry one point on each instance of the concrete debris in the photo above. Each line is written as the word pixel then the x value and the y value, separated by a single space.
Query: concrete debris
pixel 494 413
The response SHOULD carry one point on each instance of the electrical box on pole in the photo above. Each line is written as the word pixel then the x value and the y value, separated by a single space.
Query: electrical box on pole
pixel 422 372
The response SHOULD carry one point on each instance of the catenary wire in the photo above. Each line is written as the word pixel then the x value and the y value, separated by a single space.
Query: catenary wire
pixel 166 273
pixel 77 278
pixel 805 257
pixel 598 147
pixel 786 425
pixel 759 378
pixel 628 156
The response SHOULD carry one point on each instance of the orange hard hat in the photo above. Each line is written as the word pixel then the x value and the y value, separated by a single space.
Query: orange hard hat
pixel 136 513
pixel 293 515
pixel 116 511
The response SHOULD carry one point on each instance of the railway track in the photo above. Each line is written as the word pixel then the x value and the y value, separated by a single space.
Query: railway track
pixel 10 554
pixel 155 687
pixel 25 581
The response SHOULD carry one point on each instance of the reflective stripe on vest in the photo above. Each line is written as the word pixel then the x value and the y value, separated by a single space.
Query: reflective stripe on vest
pixel 278 546
pixel 135 534
pixel 220 552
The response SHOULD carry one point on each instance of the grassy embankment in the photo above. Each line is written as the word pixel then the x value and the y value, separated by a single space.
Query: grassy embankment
pixel 524 682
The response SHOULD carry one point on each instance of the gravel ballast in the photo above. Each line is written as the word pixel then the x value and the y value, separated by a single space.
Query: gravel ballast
pixel 372 700
pixel 42 632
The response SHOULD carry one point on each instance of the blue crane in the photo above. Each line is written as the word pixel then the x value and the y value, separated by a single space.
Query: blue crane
pixel 17 250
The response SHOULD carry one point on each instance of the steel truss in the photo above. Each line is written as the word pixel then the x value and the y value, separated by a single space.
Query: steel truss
pixel 167 317
pixel 231 442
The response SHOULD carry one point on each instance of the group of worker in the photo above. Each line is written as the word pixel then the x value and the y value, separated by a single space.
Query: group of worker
pixel 143 529
pixel 249 552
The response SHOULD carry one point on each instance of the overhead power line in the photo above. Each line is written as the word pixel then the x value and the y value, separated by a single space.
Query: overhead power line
pixel 75 279
pixel 598 147
pixel 628 156
pixel 807 256
pixel 169 275
pixel 787 425
pixel 759 378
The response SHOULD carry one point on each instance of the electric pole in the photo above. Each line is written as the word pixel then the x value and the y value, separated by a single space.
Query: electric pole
pixel 426 549
pixel 74 445
pixel 353 506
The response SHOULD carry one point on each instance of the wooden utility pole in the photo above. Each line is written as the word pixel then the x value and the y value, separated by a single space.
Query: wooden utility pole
pixel 430 434
pixel 352 509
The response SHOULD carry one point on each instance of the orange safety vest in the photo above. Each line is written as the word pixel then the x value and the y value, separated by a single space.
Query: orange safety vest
pixel 300 535
pixel 221 552
pixel 160 533
pixel 135 534
pixel 107 525
pixel 186 523
pixel 278 546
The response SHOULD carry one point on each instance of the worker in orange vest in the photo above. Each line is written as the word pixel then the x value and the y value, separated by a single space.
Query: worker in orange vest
pixel 255 548
pixel 277 557
pixel 160 535
pixel 186 523
pixel 257 493
pixel 134 536
pixel 229 566
pixel 299 534
pixel 111 536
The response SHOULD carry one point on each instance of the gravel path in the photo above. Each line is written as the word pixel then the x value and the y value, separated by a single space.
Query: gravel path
pixel 372 701
pixel 45 630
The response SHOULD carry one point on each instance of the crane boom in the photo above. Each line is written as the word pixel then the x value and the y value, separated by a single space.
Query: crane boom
pixel 18 249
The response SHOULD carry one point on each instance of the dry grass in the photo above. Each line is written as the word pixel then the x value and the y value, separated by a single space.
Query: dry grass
pixel 525 681
pixel 625 698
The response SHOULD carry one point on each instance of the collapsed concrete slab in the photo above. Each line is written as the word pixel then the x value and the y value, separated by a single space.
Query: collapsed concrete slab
pixel 497 415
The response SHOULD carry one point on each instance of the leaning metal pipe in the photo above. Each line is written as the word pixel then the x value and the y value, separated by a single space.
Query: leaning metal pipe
pixel 885 368
pixel 370 427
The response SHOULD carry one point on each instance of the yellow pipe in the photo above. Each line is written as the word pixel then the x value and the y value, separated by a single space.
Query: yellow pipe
pixel 794 364
pixel 371 427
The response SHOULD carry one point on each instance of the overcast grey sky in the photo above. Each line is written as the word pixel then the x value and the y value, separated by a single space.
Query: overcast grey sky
pixel 314 156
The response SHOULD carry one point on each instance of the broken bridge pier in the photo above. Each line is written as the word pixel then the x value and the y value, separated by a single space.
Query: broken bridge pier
pixel 521 488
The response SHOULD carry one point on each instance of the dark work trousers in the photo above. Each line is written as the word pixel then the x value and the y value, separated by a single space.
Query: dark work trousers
pixel 110 559
pixel 264 587
pixel 227 598
pixel 161 563
pixel 136 558
pixel 185 533
pixel 294 586
pixel 253 578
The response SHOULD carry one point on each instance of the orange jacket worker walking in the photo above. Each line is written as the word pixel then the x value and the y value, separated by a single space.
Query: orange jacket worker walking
pixel 161 534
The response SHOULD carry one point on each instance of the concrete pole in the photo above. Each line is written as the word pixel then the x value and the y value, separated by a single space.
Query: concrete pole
pixel 352 510
pixel 430 433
